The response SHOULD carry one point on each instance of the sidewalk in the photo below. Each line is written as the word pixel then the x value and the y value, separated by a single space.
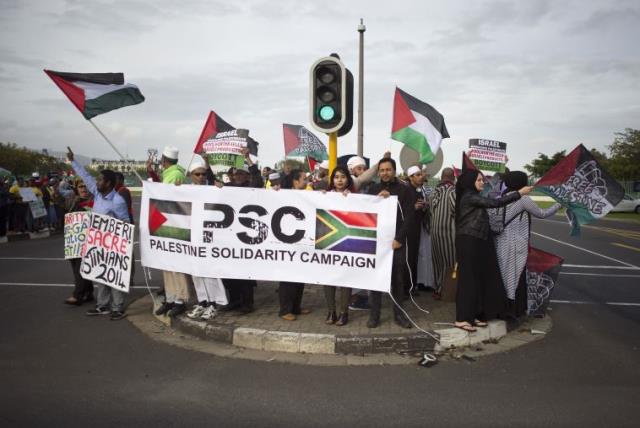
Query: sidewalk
pixel 262 330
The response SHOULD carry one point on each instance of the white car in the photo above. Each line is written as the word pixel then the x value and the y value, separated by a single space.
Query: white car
pixel 627 205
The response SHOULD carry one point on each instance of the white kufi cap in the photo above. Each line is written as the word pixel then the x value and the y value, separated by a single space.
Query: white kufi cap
pixel 412 170
pixel 355 161
pixel 170 152
pixel 198 162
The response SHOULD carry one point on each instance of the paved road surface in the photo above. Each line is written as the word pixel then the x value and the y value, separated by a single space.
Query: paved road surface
pixel 60 368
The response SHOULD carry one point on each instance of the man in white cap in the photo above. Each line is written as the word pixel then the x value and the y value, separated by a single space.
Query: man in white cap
pixel 209 291
pixel 363 176
pixel 418 238
pixel 176 284
pixel 321 181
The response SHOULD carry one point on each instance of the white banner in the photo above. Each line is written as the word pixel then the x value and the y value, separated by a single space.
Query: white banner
pixel 286 235
pixel 107 253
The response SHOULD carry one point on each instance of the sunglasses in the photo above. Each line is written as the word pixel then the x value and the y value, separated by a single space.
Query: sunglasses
pixel 199 174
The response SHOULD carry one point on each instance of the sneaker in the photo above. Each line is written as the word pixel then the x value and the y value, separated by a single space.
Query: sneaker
pixel 164 308
pixel 209 313
pixel 117 315
pixel 197 311
pixel 177 309
pixel 98 311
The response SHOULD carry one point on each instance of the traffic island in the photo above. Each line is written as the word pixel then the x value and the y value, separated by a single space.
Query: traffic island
pixel 262 331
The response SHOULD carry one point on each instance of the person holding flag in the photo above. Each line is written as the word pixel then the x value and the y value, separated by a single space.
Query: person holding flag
pixel 480 296
pixel 106 202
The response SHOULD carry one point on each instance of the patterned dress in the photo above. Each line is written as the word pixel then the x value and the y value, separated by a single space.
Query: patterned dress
pixel 443 230
pixel 512 243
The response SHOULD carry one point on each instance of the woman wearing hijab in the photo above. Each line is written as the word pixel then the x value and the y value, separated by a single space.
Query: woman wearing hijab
pixel 480 295
pixel 512 224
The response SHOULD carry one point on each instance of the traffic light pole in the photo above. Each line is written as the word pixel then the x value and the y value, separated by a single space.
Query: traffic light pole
pixel 361 30
pixel 333 151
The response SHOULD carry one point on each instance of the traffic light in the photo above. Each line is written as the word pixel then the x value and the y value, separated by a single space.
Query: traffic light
pixel 331 96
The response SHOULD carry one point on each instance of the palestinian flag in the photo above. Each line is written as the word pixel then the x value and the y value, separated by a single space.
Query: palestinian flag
pixel 467 164
pixel 348 231
pixel 212 126
pixel 580 184
pixel 543 270
pixel 170 219
pixel 96 93
pixel 299 141
pixel 418 125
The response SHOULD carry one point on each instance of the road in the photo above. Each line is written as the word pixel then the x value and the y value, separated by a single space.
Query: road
pixel 61 368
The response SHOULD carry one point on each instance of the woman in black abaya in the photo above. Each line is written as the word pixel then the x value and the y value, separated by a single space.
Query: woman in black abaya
pixel 480 293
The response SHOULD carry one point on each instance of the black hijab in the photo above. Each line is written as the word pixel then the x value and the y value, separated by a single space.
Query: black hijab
pixel 466 183
pixel 515 180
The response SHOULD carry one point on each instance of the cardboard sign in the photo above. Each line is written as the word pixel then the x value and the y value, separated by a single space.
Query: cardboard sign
pixel 488 155
pixel 75 232
pixel 224 150
pixel 37 208
pixel 27 195
pixel 107 253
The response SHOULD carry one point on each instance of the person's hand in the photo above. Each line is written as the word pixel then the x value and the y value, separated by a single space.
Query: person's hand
pixel 384 194
pixel 149 163
pixel 346 192
pixel 395 244
pixel 419 204
pixel 324 191
pixel 219 184
pixel 245 152
pixel 69 154
pixel 525 190
pixel 387 154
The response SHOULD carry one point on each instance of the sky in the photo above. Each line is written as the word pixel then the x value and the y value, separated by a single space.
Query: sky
pixel 541 76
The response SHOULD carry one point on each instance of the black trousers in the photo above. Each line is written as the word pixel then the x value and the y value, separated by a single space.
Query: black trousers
pixel 83 287
pixel 398 281
pixel 413 249
pixel 240 291
pixel 290 294
pixel 4 216
pixel 480 293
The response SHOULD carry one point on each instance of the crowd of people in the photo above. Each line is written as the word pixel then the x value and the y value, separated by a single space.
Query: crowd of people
pixel 454 227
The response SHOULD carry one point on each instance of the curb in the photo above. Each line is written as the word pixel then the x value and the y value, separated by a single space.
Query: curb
pixel 329 344
pixel 26 236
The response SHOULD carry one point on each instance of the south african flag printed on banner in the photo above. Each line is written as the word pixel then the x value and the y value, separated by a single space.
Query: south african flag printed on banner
pixel 170 219
pixel 580 184
pixel 348 231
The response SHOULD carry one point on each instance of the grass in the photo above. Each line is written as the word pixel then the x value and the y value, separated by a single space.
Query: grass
pixel 611 216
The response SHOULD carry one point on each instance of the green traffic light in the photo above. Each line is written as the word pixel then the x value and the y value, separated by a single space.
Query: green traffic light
pixel 326 113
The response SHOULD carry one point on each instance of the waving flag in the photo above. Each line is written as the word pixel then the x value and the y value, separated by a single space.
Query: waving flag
pixel 299 141
pixel 353 232
pixel 580 184
pixel 212 126
pixel 417 125
pixel 543 270
pixel 96 93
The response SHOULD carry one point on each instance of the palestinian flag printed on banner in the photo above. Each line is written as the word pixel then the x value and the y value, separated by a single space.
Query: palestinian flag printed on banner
pixel 170 219
pixel 352 232
pixel 417 125
pixel 212 126
pixel 580 184
pixel 543 270
pixel 299 141
pixel 96 93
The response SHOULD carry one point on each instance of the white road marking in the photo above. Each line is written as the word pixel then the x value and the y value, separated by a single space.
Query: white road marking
pixel 40 284
pixel 608 275
pixel 584 249
pixel 599 267
pixel 582 302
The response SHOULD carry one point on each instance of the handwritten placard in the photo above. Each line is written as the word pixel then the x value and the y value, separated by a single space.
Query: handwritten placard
pixel 75 232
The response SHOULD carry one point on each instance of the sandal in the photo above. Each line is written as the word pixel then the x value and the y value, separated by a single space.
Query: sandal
pixel 466 327
pixel 478 323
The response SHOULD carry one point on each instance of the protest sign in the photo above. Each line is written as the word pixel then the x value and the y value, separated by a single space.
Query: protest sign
pixel 27 195
pixel 488 155
pixel 37 208
pixel 107 253
pixel 224 150
pixel 75 232
pixel 286 235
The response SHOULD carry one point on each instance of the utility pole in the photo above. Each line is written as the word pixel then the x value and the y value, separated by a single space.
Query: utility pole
pixel 361 30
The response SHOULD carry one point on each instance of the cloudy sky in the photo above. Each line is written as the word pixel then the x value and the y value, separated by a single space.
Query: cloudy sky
pixel 540 75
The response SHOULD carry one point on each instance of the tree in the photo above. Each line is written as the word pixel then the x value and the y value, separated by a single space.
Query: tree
pixel 543 163
pixel 625 155
pixel 22 161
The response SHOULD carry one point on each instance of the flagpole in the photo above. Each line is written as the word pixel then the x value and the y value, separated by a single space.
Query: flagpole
pixel 114 148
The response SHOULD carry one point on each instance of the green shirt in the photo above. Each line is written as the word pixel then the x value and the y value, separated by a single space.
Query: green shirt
pixel 173 175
